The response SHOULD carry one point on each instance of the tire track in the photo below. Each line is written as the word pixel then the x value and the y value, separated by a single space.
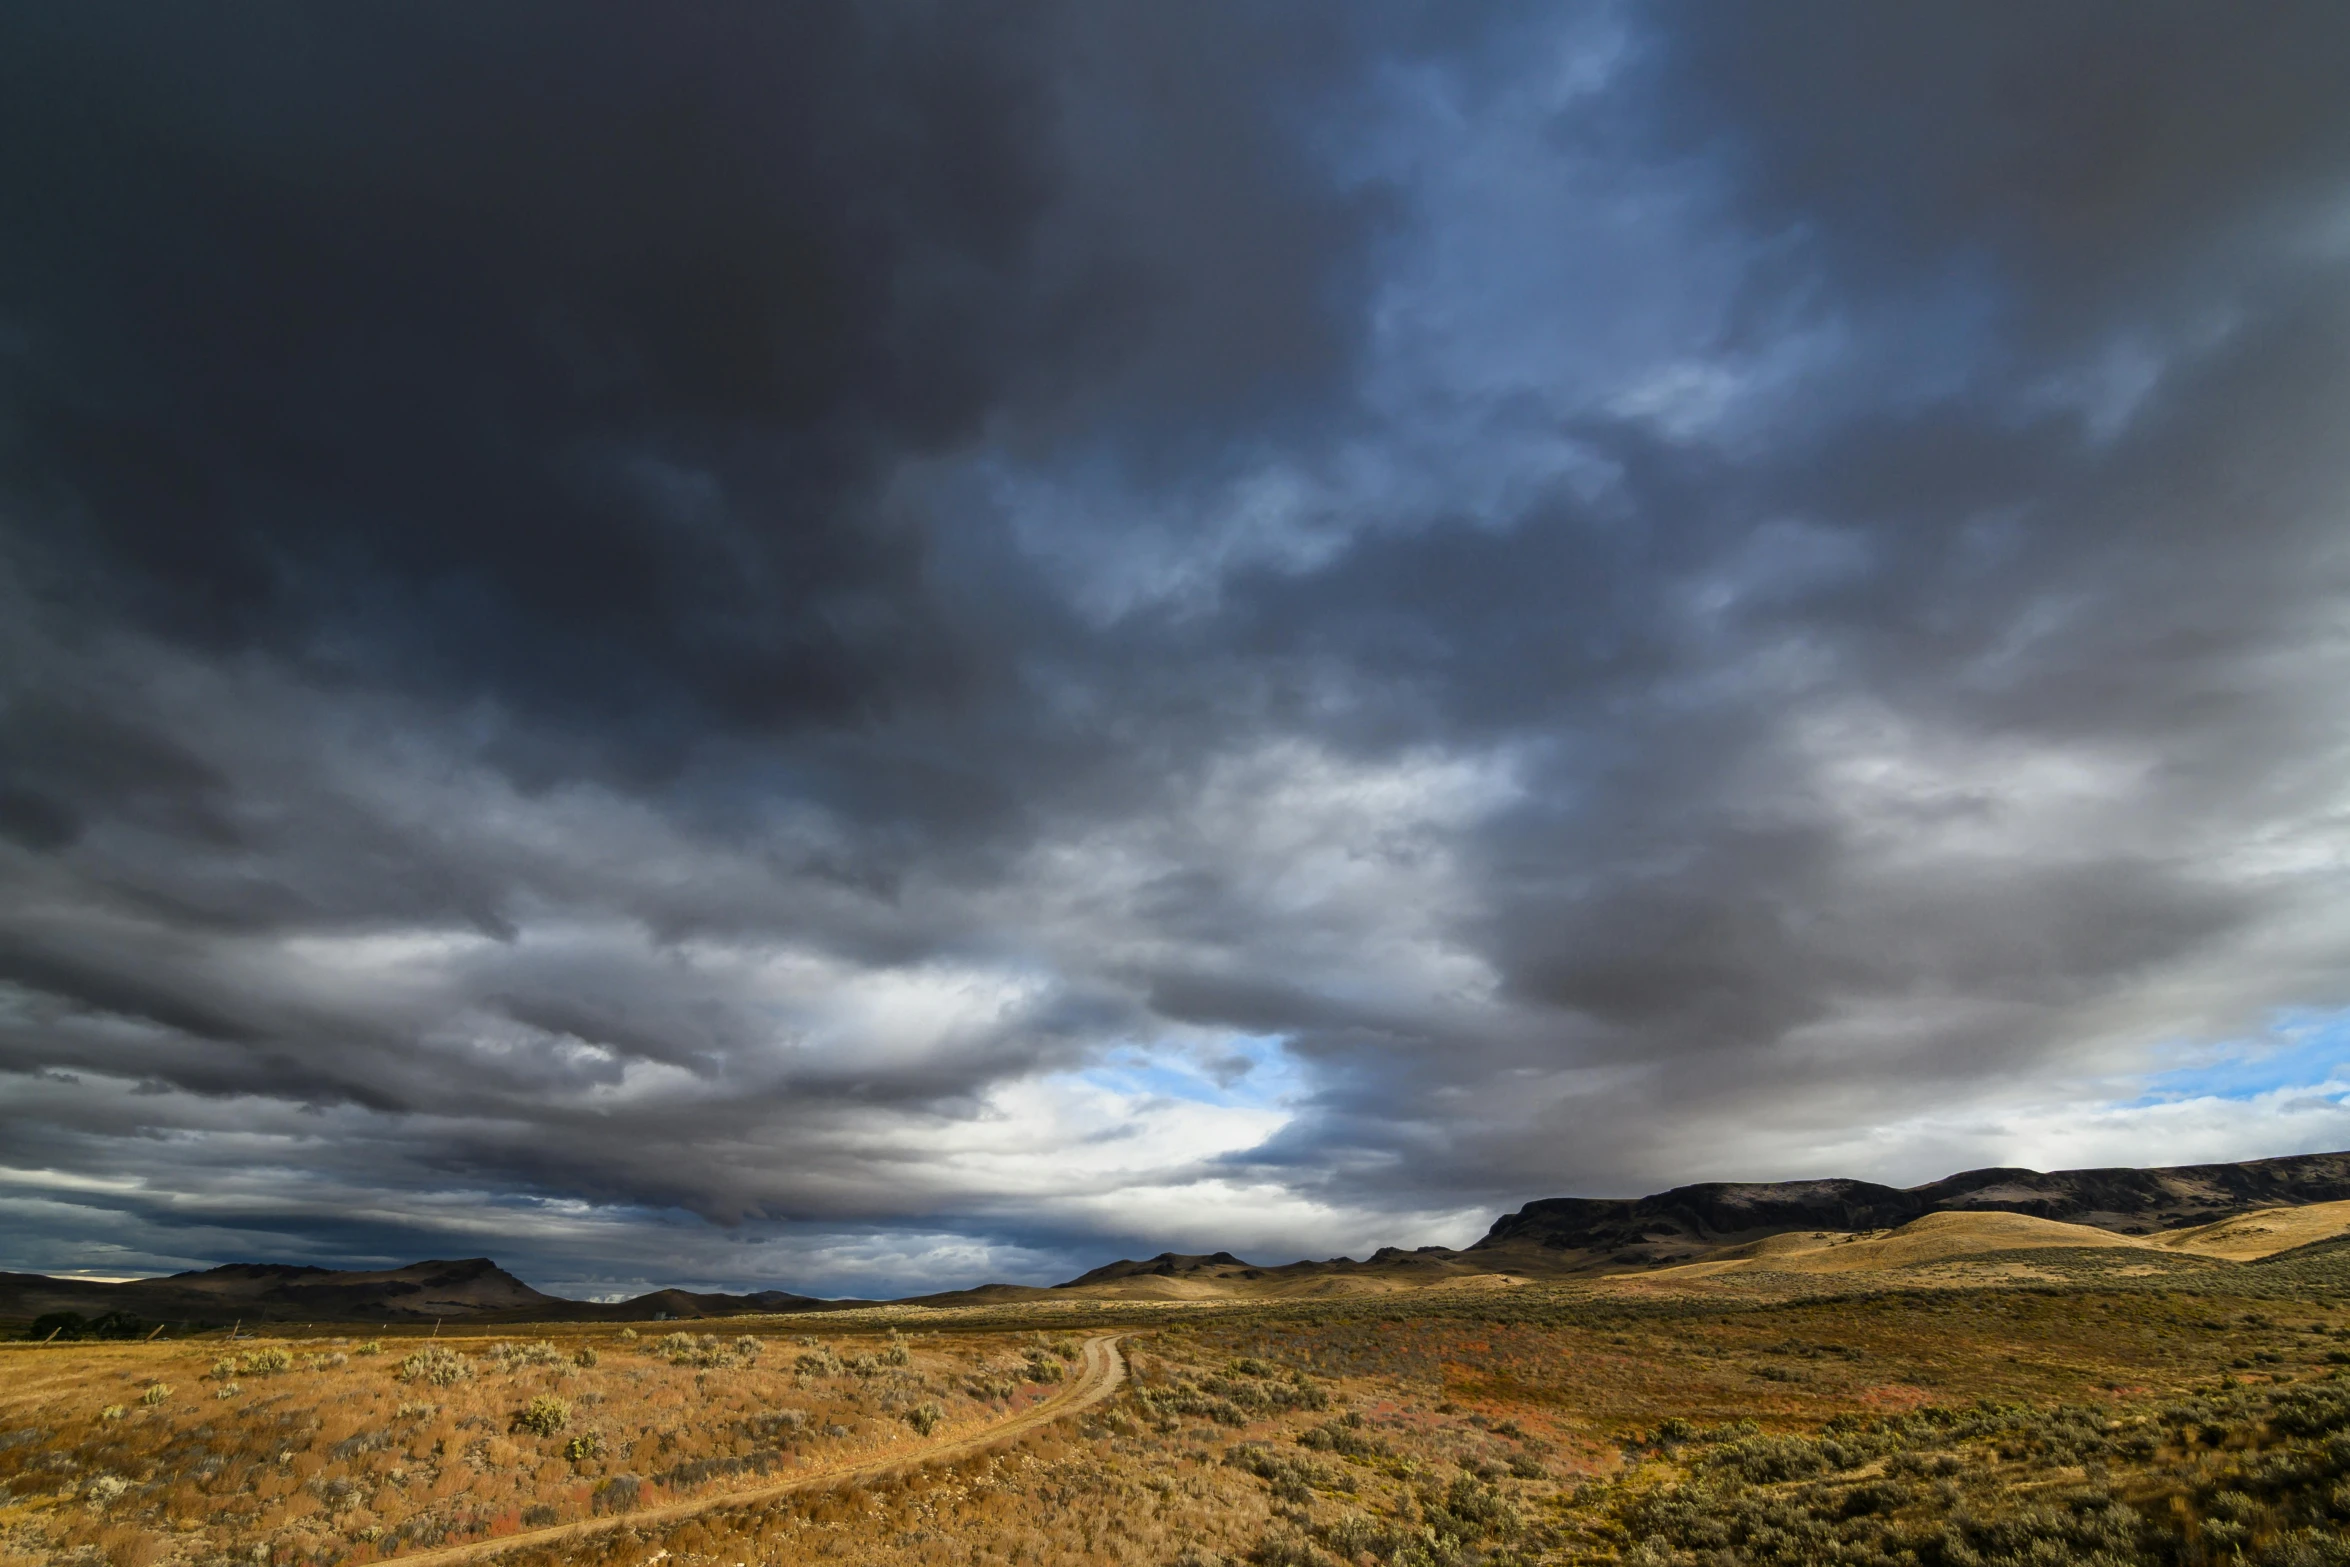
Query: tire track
pixel 1104 1369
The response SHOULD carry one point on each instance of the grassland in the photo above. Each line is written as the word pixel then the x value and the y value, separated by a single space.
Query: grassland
pixel 2080 1406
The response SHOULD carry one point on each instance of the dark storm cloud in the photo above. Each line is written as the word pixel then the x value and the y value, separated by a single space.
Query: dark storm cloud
pixel 562 356
pixel 882 646
pixel 2097 163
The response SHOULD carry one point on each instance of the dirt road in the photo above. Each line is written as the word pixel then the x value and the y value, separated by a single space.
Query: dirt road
pixel 1099 1374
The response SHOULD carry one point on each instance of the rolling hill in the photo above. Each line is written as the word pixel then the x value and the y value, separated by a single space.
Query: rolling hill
pixel 1691 1221
pixel 2141 1220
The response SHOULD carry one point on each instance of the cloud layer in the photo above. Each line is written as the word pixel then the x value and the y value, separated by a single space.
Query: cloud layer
pixel 863 650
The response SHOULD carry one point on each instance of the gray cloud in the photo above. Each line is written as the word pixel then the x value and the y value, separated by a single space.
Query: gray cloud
pixel 867 651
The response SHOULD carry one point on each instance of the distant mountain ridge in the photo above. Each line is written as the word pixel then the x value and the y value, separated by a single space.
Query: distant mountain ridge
pixel 470 1287
pixel 1552 1237
pixel 1569 1236
pixel 2126 1201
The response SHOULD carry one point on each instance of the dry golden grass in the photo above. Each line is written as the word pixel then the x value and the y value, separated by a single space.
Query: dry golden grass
pixel 1477 1423
pixel 318 1449
pixel 2263 1232
pixel 1275 1432
pixel 1940 1240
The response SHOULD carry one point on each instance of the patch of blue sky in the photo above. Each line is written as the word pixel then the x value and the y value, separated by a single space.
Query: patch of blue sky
pixel 2302 1048
pixel 1242 1071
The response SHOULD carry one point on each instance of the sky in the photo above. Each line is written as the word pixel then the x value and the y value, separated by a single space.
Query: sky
pixel 866 648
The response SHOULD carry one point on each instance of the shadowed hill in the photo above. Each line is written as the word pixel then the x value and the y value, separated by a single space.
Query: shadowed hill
pixel 2226 1213
pixel 1688 1221
pixel 1165 1265
pixel 468 1288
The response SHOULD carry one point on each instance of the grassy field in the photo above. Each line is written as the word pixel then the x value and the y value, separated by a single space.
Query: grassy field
pixel 2077 1408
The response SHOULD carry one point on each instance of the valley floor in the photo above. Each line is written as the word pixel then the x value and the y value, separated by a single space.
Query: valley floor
pixel 2076 1408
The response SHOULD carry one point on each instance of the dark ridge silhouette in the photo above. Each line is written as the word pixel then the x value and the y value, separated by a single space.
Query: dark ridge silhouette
pixel 2126 1201
pixel 1550 1237
pixel 471 1288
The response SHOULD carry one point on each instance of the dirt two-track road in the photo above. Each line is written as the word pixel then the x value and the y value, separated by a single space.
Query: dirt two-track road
pixel 1099 1374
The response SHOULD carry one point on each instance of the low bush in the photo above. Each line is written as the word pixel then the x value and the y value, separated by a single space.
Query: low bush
pixel 521 1357
pixel 543 1416
pixel 776 1424
pixel 434 1364
pixel 67 1327
pixel 1348 1441
pixel 1292 1478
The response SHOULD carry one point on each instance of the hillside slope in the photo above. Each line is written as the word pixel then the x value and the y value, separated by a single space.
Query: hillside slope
pixel 1691 1221
pixel 467 1288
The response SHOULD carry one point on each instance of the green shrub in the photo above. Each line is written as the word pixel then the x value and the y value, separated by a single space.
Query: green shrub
pixel 1162 1405
pixel 776 1425
pixel 925 1417
pixel 544 1416
pixel 1344 1439
pixel 1352 1534
pixel 1282 1546
pixel 1293 1479
pixel 584 1446
pixel 434 1364
pixel 706 1351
